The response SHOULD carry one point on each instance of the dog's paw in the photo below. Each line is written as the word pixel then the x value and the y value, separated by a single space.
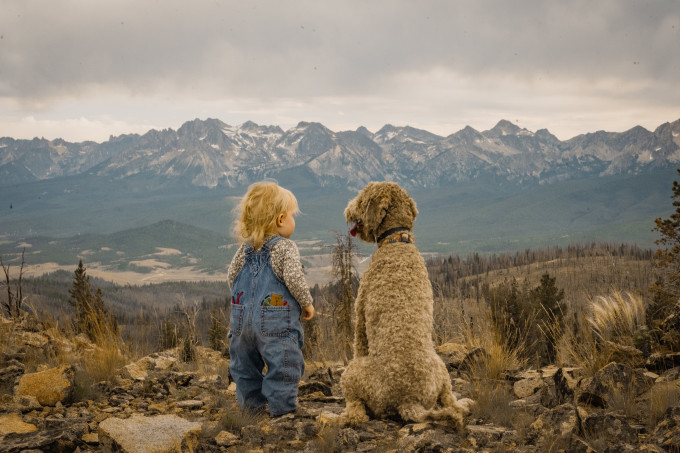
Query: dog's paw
pixel 354 414
pixel 352 419
pixel 465 405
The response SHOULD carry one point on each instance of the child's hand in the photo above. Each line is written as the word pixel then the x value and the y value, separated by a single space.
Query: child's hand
pixel 308 312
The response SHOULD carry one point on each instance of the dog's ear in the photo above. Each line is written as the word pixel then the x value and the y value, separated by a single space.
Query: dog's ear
pixel 375 212
pixel 412 205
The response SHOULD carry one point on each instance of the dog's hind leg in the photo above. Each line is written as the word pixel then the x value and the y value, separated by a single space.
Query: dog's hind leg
pixel 413 412
pixel 354 414
pixel 446 413
pixel 451 408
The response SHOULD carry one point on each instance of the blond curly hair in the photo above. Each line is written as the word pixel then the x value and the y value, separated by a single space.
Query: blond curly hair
pixel 258 210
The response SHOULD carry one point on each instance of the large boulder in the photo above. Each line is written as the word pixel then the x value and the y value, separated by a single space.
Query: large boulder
pixel 12 423
pixel 140 434
pixel 49 387
pixel 612 383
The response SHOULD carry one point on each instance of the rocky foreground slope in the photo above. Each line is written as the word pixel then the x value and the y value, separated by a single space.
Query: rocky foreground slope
pixel 162 404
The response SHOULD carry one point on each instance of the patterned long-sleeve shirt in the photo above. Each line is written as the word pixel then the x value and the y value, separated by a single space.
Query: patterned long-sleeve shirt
pixel 287 266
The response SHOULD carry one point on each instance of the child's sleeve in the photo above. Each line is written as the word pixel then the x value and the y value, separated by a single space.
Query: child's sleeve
pixel 236 265
pixel 288 267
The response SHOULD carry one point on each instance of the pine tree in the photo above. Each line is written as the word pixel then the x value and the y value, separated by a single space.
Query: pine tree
pixel 80 293
pixel 546 298
pixel 666 290
pixel 92 318
pixel 346 284
pixel 547 295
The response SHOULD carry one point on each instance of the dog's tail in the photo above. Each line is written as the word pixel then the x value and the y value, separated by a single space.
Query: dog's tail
pixel 446 413
pixel 451 409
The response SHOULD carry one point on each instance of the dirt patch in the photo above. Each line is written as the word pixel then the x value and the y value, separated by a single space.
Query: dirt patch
pixel 165 251
pixel 188 274
pixel 318 270
pixel 151 263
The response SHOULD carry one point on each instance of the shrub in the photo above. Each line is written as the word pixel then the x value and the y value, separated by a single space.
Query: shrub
pixel 516 308
pixel 604 329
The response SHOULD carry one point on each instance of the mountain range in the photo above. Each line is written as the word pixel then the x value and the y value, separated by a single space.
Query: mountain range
pixel 211 153
pixel 504 189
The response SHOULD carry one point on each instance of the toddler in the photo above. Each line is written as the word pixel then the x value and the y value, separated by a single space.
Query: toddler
pixel 269 297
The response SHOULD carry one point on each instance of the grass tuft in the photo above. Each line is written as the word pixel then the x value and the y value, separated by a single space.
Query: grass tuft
pixel 600 331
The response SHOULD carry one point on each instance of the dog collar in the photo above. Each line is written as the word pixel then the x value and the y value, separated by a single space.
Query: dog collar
pixel 399 234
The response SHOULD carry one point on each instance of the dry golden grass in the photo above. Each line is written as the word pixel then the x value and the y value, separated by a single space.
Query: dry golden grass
pixel 599 331
pixel 492 402
pixel 234 418
pixel 492 394
pixel 326 440
pixel 662 396
pixel 616 317
pixel 107 356
pixel 503 346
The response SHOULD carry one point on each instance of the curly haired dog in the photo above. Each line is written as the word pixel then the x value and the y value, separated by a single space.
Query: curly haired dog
pixel 395 369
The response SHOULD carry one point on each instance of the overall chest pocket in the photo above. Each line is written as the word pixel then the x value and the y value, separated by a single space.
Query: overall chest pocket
pixel 275 321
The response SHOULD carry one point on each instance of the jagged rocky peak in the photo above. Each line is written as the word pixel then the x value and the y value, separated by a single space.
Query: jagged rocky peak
pixel 198 128
pixel 545 135
pixel 365 132
pixel 504 127
pixel 251 127
pixel 467 134
pixel 389 133
pixel 669 133
pixel 312 127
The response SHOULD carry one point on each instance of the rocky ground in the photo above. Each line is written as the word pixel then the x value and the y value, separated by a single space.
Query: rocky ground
pixel 161 404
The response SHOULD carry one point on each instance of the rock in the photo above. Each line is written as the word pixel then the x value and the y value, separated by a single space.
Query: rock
pixel 561 421
pixel 612 381
pixel 189 404
pixel 525 374
pixel 313 387
pixel 643 380
pixel 91 438
pixel 348 438
pixel 226 439
pixel 48 387
pixel 161 433
pixel 484 436
pixel 609 428
pixel 33 339
pixel 669 375
pixel 625 354
pixel 10 374
pixel 82 343
pixel 527 387
pixel 138 370
pixel 535 409
pixel 12 423
pixel 62 439
pixel 323 375
pixel 473 357
pixel 658 362
pixel 564 387
pixel 667 432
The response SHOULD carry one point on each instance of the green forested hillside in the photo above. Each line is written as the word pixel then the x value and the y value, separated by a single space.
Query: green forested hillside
pixel 104 222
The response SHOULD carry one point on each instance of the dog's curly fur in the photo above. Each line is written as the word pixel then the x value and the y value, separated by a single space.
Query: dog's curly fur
pixel 395 369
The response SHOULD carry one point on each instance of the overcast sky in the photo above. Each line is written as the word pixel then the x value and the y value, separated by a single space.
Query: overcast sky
pixel 85 70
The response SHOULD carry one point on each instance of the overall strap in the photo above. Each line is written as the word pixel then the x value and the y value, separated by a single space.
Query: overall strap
pixel 272 241
pixel 269 243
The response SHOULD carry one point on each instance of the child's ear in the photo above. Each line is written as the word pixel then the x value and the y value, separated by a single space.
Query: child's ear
pixel 279 219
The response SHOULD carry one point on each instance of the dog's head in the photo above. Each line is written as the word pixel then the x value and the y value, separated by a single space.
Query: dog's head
pixel 380 206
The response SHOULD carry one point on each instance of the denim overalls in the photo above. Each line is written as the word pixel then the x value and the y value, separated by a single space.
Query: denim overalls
pixel 265 329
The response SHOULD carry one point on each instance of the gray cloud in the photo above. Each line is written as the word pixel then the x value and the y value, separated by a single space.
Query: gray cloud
pixel 55 52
